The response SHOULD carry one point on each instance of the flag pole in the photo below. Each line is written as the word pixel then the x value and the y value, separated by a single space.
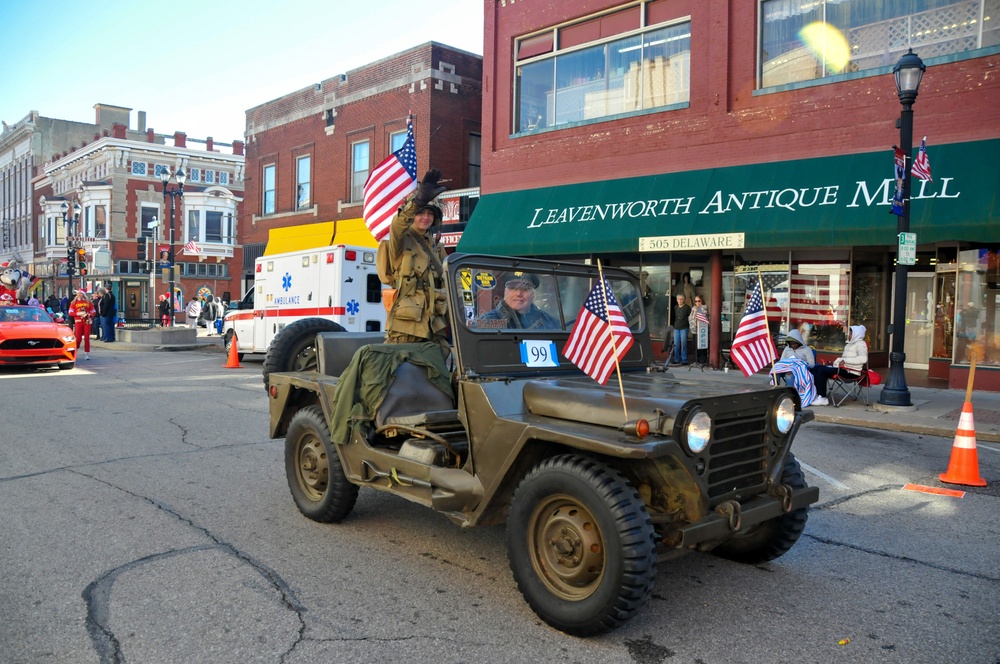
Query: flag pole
pixel 760 280
pixel 611 334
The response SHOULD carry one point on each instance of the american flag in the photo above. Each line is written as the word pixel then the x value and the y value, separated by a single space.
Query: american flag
pixel 922 164
pixel 752 348
pixel 192 248
pixel 389 184
pixel 701 315
pixel 589 346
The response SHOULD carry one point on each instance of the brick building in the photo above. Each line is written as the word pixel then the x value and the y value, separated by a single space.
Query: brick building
pixel 715 141
pixel 310 151
pixel 107 198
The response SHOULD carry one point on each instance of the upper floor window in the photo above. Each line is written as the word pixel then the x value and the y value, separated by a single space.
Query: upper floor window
pixel 148 215
pixel 602 66
pixel 302 168
pixel 194 174
pixel 396 140
pixel 809 41
pixel 138 168
pixel 359 170
pixel 267 203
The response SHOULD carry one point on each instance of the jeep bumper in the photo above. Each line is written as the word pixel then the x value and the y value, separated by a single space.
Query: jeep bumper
pixel 717 527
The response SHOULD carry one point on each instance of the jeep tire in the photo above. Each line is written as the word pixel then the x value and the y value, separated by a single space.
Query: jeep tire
pixel 294 347
pixel 581 545
pixel 315 477
pixel 770 539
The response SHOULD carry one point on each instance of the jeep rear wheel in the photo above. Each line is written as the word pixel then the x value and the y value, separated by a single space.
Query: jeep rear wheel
pixel 294 348
pixel 774 538
pixel 315 477
pixel 580 545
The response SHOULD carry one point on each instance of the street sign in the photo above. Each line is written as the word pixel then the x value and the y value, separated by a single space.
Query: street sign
pixel 907 249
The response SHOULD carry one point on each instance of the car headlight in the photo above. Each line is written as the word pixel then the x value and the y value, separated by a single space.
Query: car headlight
pixel 784 415
pixel 697 432
pixel 69 338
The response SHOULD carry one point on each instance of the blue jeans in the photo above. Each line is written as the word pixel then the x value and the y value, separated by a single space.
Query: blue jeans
pixel 108 323
pixel 681 346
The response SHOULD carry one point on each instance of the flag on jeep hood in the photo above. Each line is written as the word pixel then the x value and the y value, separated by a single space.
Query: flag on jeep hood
pixel 600 335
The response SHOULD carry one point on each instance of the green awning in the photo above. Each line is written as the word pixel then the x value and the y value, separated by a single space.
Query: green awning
pixel 824 202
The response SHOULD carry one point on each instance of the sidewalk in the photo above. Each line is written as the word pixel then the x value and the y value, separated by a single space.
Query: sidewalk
pixel 937 409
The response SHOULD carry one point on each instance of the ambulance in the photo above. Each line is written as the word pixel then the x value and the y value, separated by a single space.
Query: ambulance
pixel 307 274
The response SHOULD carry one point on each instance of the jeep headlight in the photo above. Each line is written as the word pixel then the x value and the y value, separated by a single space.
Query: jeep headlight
pixel 697 432
pixel 784 415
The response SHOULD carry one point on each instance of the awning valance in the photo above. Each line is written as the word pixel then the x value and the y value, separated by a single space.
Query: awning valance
pixel 824 202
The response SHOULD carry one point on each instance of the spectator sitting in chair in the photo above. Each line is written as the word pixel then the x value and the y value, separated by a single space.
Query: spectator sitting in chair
pixel 849 364
pixel 796 347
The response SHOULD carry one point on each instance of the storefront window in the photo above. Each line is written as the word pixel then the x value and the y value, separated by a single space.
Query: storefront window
pixel 868 302
pixel 977 320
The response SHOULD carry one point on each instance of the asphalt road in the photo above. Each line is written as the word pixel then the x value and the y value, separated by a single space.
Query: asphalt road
pixel 145 517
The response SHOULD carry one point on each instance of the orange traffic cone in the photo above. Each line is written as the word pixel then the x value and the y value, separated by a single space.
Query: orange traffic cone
pixel 964 465
pixel 234 357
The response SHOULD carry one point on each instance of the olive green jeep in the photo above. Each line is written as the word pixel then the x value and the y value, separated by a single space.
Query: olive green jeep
pixel 507 430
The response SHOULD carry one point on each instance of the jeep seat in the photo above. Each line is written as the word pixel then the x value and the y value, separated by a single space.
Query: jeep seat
pixel 335 350
pixel 413 400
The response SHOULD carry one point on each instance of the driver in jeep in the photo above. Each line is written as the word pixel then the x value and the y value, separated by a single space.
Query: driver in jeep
pixel 517 310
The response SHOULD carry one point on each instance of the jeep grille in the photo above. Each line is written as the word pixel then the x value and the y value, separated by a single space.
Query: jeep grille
pixel 738 453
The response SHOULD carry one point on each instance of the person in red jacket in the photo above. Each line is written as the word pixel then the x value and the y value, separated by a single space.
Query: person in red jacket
pixel 82 311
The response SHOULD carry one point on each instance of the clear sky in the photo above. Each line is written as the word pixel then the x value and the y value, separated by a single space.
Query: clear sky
pixel 197 66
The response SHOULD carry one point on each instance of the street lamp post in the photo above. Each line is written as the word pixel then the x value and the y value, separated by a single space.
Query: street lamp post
pixel 908 72
pixel 69 223
pixel 181 177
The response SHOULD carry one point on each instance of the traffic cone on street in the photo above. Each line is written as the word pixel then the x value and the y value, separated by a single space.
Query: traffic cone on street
pixel 964 465
pixel 234 357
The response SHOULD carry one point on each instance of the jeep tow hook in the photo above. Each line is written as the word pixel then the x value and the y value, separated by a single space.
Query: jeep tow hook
pixel 732 511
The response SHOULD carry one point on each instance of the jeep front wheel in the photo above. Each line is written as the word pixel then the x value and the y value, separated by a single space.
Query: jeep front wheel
pixel 771 539
pixel 315 477
pixel 580 545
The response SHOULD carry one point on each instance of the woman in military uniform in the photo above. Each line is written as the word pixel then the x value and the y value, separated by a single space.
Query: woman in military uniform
pixel 414 260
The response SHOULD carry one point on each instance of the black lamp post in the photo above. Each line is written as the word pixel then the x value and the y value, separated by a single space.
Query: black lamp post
pixel 69 223
pixel 908 72
pixel 181 177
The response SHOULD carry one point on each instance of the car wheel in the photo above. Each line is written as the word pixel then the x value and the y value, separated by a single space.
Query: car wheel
pixel 66 366
pixel 316 479
pixel 581 545
pixel 294 347
pixel 774 538
pixel 229 341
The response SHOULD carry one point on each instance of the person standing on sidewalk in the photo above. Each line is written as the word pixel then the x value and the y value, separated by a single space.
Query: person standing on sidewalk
pixel 81 309
pixel 163 308
pixel 193 312
pixel 106 310
pixel 209 312
pixel 682 325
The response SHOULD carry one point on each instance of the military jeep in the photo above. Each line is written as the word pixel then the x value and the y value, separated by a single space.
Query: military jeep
pixel 597 484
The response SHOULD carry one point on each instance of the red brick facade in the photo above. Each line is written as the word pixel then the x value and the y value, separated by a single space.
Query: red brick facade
pixel 726 124
pixel 440 85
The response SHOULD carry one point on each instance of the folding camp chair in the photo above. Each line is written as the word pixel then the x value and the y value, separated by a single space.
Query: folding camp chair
pixel 854 386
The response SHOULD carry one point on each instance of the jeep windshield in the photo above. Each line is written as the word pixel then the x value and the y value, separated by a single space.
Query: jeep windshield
pixel 514 316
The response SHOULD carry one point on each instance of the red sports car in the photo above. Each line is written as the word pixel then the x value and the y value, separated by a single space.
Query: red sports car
pixel 29 337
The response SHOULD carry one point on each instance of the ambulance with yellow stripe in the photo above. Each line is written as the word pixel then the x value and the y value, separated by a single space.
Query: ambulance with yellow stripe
pixel 316 277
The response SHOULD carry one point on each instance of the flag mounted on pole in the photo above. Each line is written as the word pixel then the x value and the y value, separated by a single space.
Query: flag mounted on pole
pixel 192 249
pixel 899 169
pixel 922 164
pixel 753 348
pixel 600 336
pixel 389 184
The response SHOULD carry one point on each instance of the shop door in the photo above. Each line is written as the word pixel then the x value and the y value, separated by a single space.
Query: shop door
pixel 132 301
pixel 919 320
